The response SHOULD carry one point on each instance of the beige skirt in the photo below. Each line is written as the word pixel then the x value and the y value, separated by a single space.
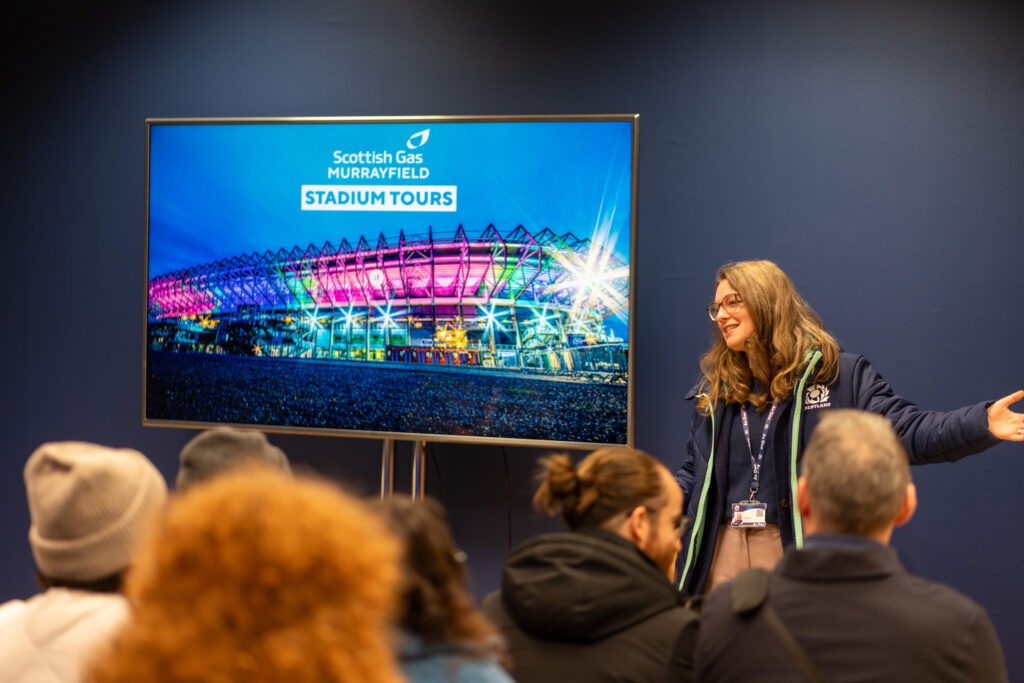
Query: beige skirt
pixel 739 548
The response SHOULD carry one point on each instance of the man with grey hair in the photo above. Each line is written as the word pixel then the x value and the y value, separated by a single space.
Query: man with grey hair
pixel 843 608
pixel 219 449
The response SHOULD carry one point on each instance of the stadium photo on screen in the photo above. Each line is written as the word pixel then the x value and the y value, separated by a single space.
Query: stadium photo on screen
pixel 429 278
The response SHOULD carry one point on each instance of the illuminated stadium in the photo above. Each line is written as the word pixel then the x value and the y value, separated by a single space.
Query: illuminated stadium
pixel 545 304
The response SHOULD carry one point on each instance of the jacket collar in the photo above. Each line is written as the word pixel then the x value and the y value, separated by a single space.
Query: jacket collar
pixel 831 564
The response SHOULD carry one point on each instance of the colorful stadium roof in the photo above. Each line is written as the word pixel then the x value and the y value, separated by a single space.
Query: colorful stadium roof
pixel 563 272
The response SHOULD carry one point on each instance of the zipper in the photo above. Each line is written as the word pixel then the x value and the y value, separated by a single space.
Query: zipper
pixel 698 523
pixel 798 405
pixel 812 358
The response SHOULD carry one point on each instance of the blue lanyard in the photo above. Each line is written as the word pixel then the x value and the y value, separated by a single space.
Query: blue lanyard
pixel 755 480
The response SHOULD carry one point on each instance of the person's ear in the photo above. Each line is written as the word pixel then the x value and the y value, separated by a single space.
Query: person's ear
pixel 803 498
pixel 909 506
pixel 639 522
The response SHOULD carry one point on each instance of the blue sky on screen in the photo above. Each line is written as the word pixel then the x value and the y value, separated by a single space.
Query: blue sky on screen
pixel 223 190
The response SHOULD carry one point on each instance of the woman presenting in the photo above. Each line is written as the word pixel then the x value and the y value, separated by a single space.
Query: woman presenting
pixel 764 382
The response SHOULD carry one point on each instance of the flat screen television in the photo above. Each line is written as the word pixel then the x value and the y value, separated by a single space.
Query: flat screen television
pixel 423 278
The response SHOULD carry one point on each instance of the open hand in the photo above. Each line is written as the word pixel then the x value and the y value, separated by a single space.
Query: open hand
pixel 1003 422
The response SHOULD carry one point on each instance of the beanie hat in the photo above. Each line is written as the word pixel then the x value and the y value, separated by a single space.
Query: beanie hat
pixel 221 448
pixel 89 507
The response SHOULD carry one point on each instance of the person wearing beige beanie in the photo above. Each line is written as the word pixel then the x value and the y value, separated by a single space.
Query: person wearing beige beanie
pixel 89 507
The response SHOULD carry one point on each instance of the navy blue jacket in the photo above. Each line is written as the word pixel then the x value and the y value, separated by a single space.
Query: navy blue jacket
pixel 929 436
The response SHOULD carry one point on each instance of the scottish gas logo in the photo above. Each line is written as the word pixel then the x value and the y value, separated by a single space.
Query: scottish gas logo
pixel 376 164
pixel 386 165
pixel 418 139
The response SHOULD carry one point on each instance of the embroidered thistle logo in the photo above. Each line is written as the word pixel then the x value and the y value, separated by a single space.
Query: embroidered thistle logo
pixel 816 396
pixel 418 139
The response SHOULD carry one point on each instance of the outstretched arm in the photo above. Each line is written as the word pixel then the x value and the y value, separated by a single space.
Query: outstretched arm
pixel 1003 422
pixel 928 435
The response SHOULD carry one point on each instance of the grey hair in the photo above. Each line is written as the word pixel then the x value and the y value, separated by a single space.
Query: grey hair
pixel 217 450
pixel 857 472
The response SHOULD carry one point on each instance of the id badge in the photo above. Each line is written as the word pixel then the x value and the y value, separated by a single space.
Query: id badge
pixel 748 513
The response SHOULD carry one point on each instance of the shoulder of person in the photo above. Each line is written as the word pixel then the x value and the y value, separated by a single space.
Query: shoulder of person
pixel 851 370
pixel 492 608
pixel 10 611
pixel 953 602
pixel 849 362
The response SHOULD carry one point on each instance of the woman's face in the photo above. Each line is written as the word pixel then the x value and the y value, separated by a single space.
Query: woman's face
pixel 736 325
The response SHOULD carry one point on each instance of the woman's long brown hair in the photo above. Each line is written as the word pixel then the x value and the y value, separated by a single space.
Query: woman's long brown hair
pixel 436 605
pixel 786 330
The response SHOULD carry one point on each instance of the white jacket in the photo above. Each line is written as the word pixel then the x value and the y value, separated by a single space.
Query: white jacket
pixel 51 636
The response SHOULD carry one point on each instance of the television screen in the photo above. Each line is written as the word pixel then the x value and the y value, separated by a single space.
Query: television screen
pixel 428 278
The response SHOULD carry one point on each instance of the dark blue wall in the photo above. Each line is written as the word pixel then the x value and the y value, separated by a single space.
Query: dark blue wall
pixel 875 150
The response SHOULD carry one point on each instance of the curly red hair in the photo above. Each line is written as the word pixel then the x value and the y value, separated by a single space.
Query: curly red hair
pixel 256 576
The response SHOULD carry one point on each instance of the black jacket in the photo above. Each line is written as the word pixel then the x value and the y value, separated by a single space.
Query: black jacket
pixel 590 606
pixel 859 616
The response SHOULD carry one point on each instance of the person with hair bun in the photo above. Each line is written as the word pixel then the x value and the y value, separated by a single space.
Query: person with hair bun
pixel 597 603
pixel 772 371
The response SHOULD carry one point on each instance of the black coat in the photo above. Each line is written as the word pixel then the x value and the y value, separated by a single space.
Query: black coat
pixel 590 606
pixel 859 616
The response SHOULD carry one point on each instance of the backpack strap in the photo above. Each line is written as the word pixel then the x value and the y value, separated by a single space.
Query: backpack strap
pixel 750 598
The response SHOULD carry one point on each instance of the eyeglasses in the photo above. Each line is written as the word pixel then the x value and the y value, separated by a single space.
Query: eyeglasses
pixel 684 526
pixel 731 303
